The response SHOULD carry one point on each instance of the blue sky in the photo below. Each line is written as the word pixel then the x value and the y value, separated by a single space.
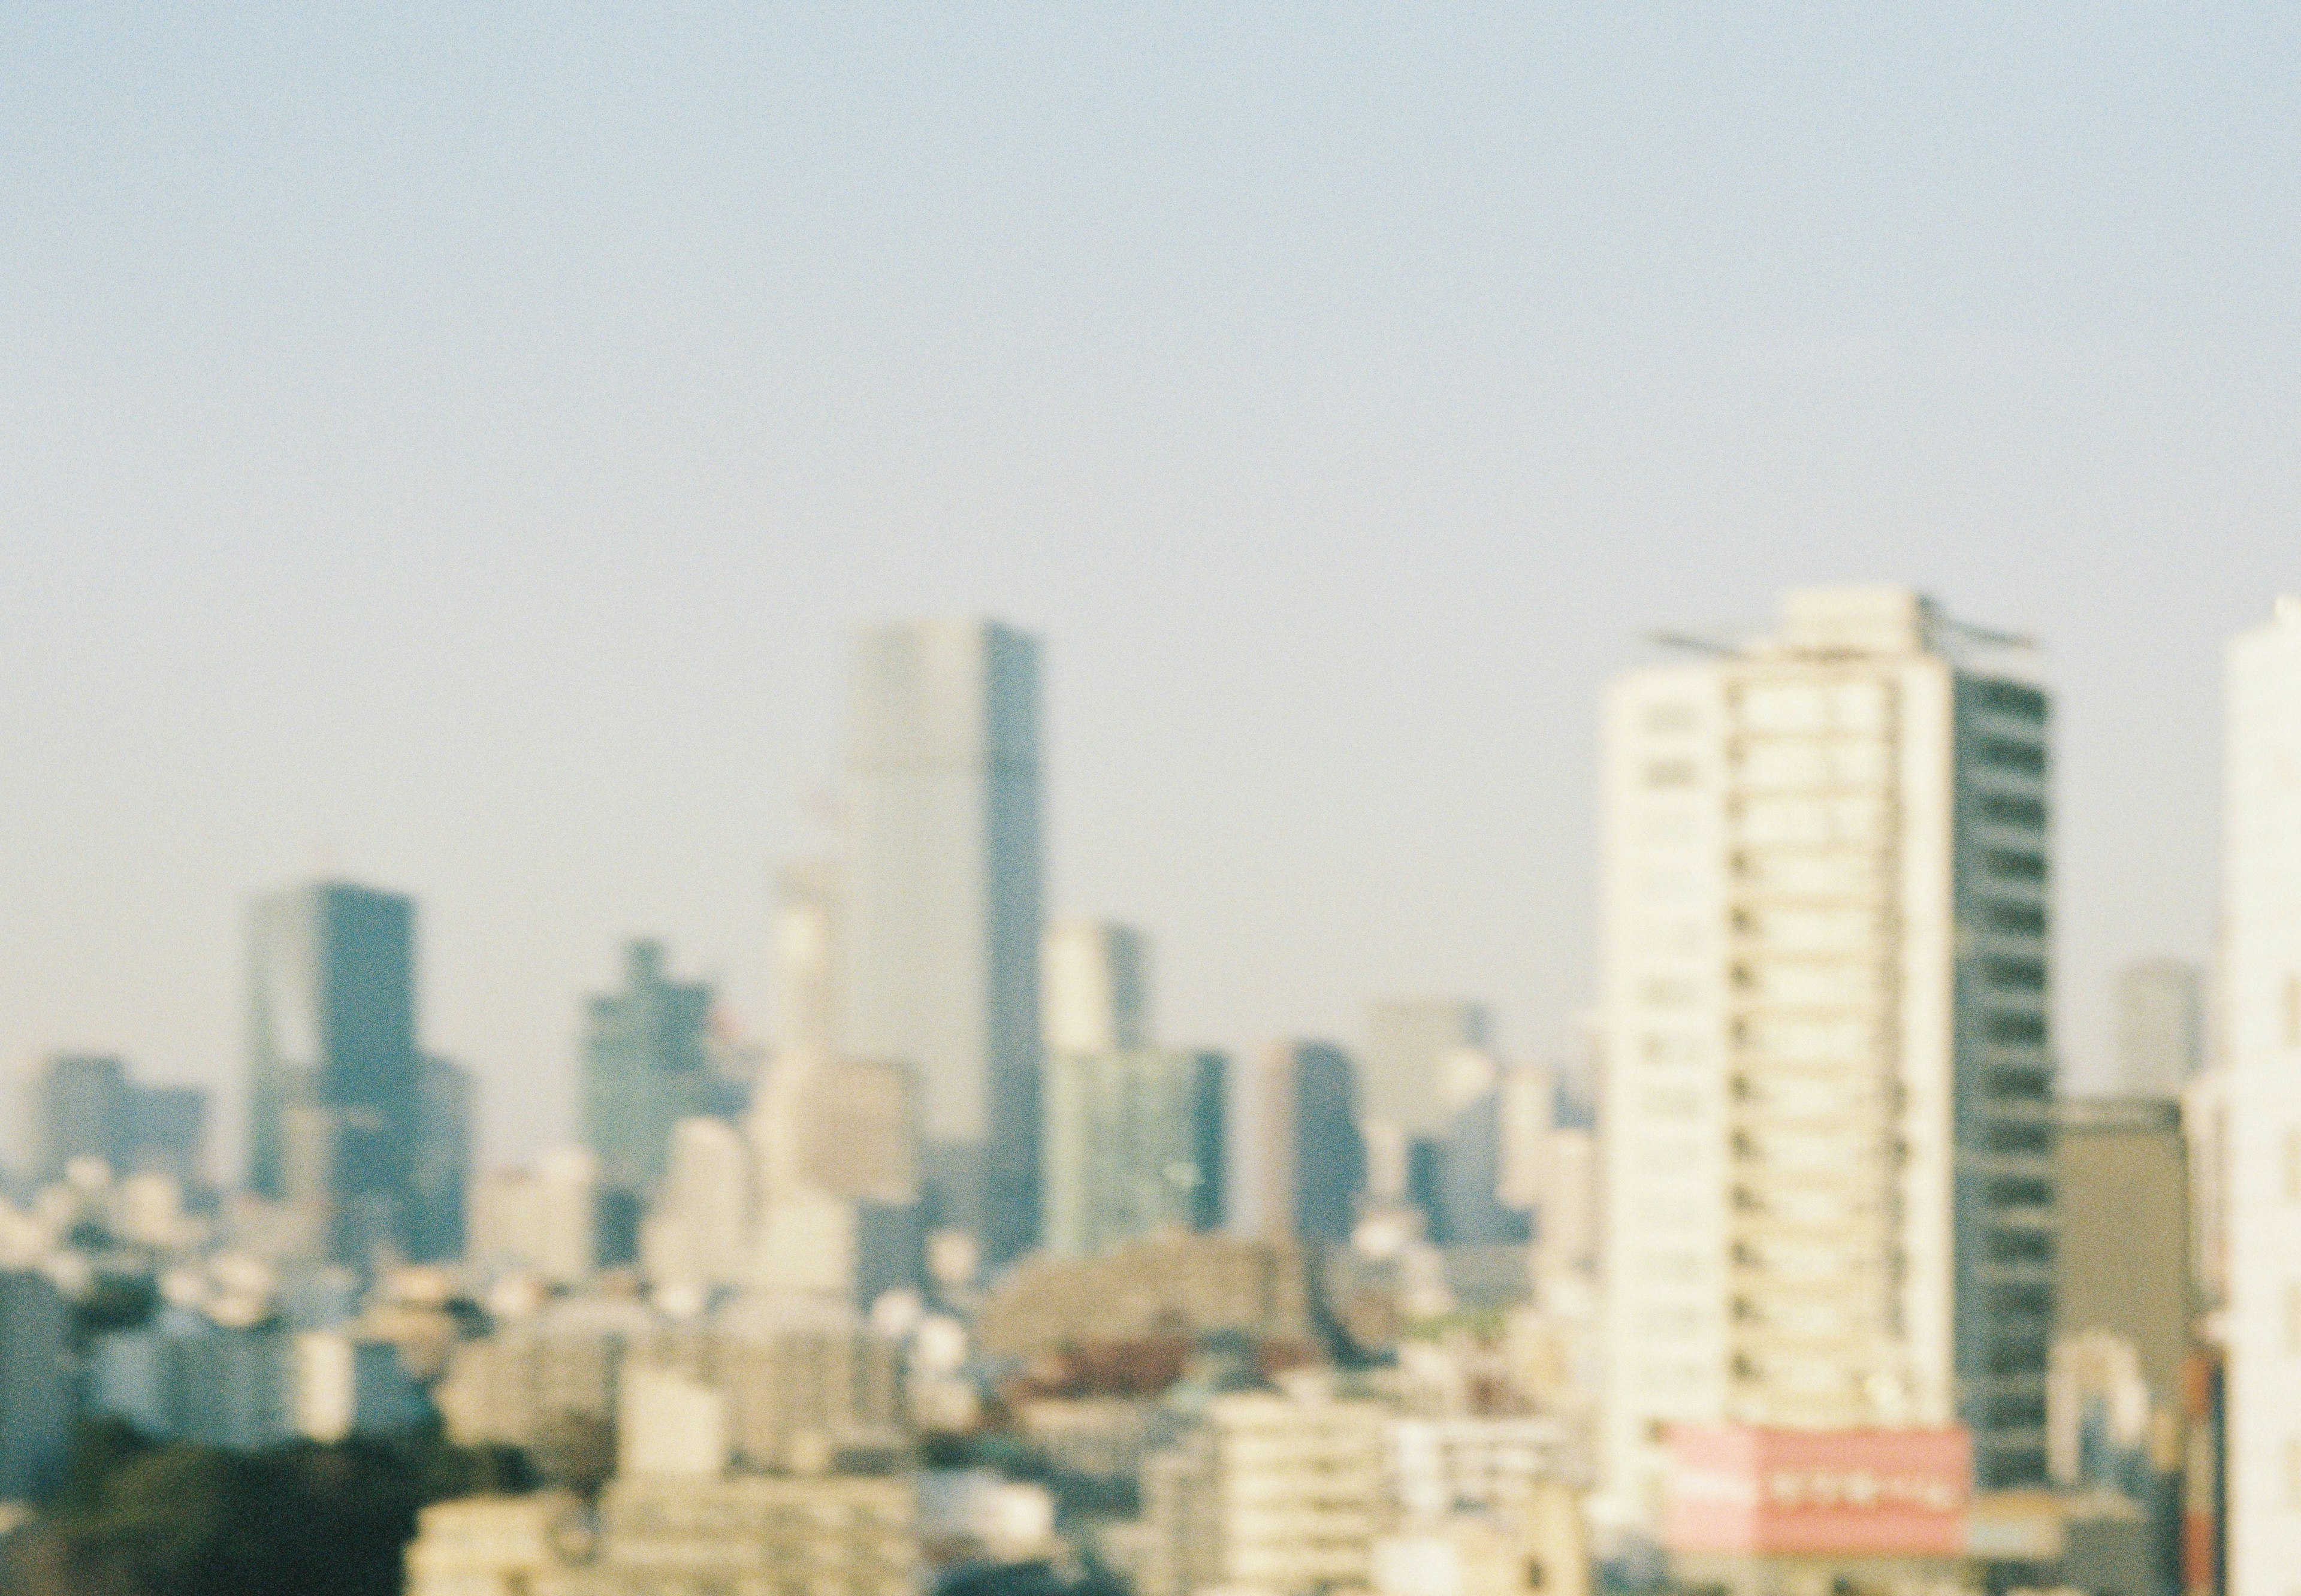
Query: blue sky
pixel 445 446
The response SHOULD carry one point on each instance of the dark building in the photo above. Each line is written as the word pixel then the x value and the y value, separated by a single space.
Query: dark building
pixel 36 1385
pixel 81 1110
pixel 646 1065
pixel 1313 1160
pixel 333 1065
pixel 441 1172
pixel 168 1128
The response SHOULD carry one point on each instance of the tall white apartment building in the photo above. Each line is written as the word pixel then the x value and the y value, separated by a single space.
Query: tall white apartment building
pixel 1827 1088
pixel 2261 965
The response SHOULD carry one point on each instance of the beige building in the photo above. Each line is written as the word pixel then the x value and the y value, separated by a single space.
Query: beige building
pixel 1175 1281
pixel 1268 1495
pixel 2123 1260
pixel 1829 1173
pixel 745 1536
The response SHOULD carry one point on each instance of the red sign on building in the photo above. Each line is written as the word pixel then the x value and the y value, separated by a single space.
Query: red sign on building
pixel 1847 1492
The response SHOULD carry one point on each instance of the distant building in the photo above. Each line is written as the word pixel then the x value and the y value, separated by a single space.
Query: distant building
pixel 2161 1027
pixel 333 1064
pixel 1267 1494
pixel 168 1133
pixel 1830 1084
pixel 37 1385
pixel 1174 1283
pixel 1094 985
pixel 546 1220
pixel 1308 1160
pixel 2122 1258
pixel 2261 1017
pixel 186 1378
pixel 1135 1143
pixel 82 1109
pixel 1479 1095
pixel 698 1231
pixel 646 1065
pixel 1406 1038
pixel 440 1173
pixel 939 947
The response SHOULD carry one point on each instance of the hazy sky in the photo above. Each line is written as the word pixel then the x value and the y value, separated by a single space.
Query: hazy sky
pixel 445 446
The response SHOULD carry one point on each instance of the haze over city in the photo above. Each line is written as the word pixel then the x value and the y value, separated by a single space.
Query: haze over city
pixel 451 450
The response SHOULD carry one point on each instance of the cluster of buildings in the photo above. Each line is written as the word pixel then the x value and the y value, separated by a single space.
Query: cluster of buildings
pixel 1809 1276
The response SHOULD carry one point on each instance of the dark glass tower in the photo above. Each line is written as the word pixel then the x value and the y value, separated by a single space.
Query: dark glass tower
pixel 332 1098
pixel 646 1065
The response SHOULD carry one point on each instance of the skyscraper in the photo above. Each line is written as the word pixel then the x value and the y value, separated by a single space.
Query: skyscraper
pixel 1310 1163
pixel 440 1172
pixel 84 1109
pixel 1406 1038
pixel 332 1057
pixel 646 1068
pixel 1829 1092
pixel 2261 969
pixel 168 1132
pixel 1134 1144
pixel 2161 1027
pixel 940 945
pixel 1094 987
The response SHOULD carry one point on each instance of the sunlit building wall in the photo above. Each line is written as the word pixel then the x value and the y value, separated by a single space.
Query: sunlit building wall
pixel 1829 1093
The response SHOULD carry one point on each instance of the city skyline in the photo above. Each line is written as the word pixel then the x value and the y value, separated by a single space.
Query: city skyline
pixel 1342 401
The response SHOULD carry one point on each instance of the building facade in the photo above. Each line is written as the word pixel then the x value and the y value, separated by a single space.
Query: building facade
pixel 646 1065
pixel 1309 1158
pixel 1828 1091
pixel 1134 1144
pixel 333 1065
pixel 2261 968
pixel 939 950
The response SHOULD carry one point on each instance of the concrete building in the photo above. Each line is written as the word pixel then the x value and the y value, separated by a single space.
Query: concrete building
pixel 940 940
pixel 2261 1018
pixel 1306 1152
pixel 1170 1283
pixel 169 1135
pixel 1829 1089
pixel 2161 1027
pixel 1267 1494
pixel 1406 1038
pixel 81 1106
pixel 543 1221
pixel 1134 1144
pixel 1094 986
pixel 36 1398
pixel 2122 1258
pixel 440 1174
pixel 664 1533
pixel 333 1099
pixel 646 1065
pixel 699 1230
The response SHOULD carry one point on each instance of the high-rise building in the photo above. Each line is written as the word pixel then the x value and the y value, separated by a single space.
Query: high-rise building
pixel 1406 1040
pixel 1094 983
pixel 1308 1161
pixel 1133 1145
pixel 940 936
pixel 440 1172
pixel 1478 1197
pixel 333 1098
pixel 2261 1018
pixel 169 1127
pixel 83 1108
pixel 2161 1027
pixel 646 1065
pixel 1829 1092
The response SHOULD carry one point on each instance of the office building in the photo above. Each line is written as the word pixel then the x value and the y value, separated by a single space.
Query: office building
pixel 2161 1027
pixel 1309 1164
pixel 1094 984
pixel 333 1097
pixel 1406 1038
pixel 1168 1284
pixel 1265 1495
pixel 646 1065
pixel 546 1221
pixel 2122 1254
pixel 1829 1090
pixel 82 1109
pixel 1480 1154
pixel 939 943
pixel 699 1230
pixel 440 1172
pixel 1134 1144
pixel 2261 1020
pixel 37 1385
pixel 168 1133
